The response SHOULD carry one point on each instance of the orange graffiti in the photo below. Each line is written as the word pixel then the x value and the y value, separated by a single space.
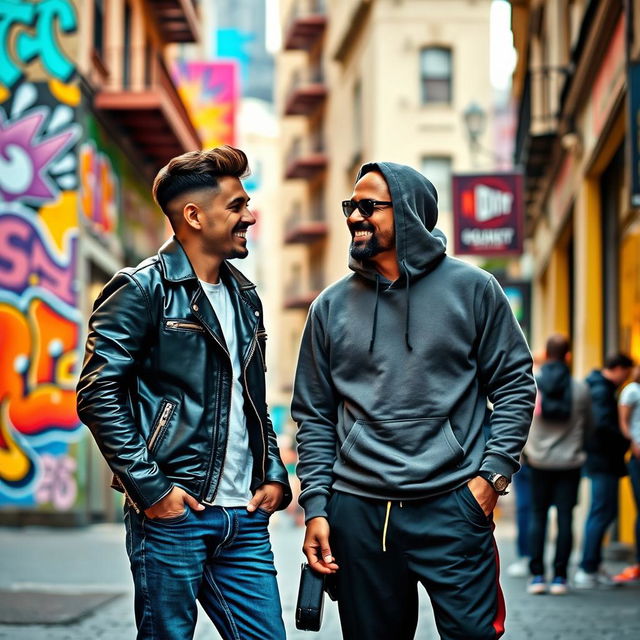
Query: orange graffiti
pixel 98 184
pixel 37 360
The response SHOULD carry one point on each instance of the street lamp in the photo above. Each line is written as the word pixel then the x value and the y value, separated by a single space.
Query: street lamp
pixel 475 119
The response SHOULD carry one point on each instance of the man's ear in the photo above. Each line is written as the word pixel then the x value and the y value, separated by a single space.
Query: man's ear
pixel 191 214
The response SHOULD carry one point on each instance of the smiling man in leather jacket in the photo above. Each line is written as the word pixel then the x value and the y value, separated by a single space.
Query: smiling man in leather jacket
pixel 173 390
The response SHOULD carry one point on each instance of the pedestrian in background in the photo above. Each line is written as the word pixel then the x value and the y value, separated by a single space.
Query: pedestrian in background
pixel 605 465
pixel 519 568
pixel 173 390
pixel 629 415
pixel 555 453
pixel 396 365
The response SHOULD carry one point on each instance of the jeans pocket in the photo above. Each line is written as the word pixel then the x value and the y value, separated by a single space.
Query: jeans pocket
pixel 127 528
pixel 173 519
pixel 264 512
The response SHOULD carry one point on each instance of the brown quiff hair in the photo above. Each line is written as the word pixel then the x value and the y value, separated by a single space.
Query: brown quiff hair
pixel 197 170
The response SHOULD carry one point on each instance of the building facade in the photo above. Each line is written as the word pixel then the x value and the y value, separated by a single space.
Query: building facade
pixel 360 80
pixel 88 113
pixel 571 84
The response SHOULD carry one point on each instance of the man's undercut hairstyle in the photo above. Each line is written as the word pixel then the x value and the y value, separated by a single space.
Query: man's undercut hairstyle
pixel 618 360
pixel 557 347
pixel 197 170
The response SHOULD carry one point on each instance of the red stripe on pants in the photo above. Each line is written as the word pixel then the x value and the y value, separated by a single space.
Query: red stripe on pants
pixel 501 613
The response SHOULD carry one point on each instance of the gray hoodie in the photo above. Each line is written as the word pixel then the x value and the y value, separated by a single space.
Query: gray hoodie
pixel 393 378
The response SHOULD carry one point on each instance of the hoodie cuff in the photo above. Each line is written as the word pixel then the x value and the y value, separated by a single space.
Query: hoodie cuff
pixel 499 464
pixel 315 507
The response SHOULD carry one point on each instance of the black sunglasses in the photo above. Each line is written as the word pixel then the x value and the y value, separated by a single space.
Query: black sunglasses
pixel 365 206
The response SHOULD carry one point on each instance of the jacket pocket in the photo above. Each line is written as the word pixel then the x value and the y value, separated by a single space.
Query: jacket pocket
pixel 392 453
pixel 177 324
pixel 160 424
pixel 261 343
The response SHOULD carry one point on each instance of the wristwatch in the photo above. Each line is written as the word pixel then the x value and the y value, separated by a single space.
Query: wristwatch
pixel 496 480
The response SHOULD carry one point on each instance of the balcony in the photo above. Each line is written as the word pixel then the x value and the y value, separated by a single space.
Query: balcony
pixel 306 93
pixel 301 228
pixel 538 120
pixel 299 296
pixel 306 24
pixel 149 111
pixel 177 19
pixel 306 161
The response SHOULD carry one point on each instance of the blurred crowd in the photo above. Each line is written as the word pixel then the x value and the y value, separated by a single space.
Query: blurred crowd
pixel 581 428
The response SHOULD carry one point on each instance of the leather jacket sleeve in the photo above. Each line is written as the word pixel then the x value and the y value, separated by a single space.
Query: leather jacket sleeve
pixel 276 471
pixel 119 327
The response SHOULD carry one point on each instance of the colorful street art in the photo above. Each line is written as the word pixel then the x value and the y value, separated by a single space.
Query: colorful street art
pixel 29 32
pixel 98 189
pixel 210 91
pixel 39 204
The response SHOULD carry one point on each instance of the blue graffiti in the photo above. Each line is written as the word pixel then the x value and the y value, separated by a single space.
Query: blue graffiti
pixel 40 18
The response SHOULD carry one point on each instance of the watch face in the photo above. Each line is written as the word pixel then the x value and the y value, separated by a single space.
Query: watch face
pixel 500 483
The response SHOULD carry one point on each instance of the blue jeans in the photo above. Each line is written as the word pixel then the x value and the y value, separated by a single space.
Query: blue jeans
pixel 603 511
pixel 221 557
pixel 634 474
pixel 522 486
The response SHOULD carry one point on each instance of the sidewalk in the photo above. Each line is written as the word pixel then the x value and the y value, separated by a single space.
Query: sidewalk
pixel 93 560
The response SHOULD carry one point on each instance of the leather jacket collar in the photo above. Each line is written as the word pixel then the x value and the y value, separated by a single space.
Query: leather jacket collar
pixel 176 266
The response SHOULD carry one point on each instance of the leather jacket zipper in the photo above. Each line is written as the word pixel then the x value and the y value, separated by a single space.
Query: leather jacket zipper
pixel 264 361
pixel 182 324
pixel 128 498
pixel 208 476
pixel 246 386
pixel 165 414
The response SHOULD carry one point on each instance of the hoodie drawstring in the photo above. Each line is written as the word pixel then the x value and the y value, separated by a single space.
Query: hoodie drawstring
pixel 375 315
pixel 407 309
pixel 408 306
pixel 386 525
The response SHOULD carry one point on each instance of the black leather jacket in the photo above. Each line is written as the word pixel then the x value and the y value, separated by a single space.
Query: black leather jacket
pixel 155 389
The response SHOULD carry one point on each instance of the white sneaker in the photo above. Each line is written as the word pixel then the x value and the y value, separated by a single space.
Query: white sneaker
pixel 519 568
pixel 604 579
pixel 584 580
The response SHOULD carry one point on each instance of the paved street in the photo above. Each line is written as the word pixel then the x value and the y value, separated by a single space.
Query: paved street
pixel 94 560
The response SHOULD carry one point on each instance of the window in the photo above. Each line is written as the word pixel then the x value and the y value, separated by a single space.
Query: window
pixel 435 73
pixel 98 27
pixel 126 57
pixel 438 171
pixel 357 117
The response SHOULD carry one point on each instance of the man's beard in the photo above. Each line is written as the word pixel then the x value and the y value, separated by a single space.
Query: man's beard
pixel 367 250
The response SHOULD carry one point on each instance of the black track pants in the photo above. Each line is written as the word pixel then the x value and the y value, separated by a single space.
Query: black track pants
pixel 385 549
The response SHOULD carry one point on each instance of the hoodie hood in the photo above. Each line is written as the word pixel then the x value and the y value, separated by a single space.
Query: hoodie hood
pixel 554 384
pixel 415 206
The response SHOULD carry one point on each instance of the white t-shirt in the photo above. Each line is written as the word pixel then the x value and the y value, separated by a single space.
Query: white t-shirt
pixel 630 397
pixel 235 482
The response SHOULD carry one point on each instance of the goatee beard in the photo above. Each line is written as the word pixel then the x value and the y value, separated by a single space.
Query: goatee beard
pixel 365 251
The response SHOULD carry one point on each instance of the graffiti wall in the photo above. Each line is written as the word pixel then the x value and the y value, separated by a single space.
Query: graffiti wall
pixel 210 91
pixel 115 198
pixel 39 203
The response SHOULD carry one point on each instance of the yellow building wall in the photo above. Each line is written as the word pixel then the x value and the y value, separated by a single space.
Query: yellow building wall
pixel 588 328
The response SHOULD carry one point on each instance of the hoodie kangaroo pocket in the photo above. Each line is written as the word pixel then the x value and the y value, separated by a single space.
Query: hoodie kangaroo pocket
pixel 407 453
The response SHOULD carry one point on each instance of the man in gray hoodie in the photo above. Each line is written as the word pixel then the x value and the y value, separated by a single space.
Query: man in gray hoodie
pixel 396 365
